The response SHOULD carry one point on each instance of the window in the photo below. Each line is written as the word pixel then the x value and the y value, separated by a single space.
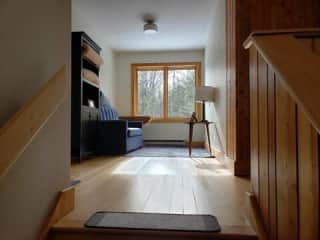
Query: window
pixel 166 92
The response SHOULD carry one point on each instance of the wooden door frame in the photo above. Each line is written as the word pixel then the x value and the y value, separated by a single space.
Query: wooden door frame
pixel 238 99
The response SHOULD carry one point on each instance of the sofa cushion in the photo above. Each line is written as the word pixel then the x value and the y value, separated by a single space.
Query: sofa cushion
pixel 132 132
pixel 104 101
pixel 108 113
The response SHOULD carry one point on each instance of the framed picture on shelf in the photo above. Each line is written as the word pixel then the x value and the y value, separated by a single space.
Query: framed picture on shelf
pixel 91 103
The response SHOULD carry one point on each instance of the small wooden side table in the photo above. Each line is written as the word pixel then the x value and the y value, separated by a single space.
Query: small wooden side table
pixel 191 126
pixel 144 119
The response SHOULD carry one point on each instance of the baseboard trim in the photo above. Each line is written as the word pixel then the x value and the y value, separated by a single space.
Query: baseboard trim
pixel 195 144
pixel 221 157
pixel 162 141
pixel 254 215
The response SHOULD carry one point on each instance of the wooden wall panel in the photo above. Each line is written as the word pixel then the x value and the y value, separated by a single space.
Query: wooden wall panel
pixel 285 156
pixel 287 204
pixel 308 171
pixel 243 17
pixel 263 139
pixel 231 83
pixel 316 45
pixel 282 14
pixel 242 166
pixel 272 225
pixel 254 119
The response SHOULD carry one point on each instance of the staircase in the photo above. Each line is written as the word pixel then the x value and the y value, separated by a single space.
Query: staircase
pixel 17 135
pixel 285 146
pixel 285 127
pixel 75 230
pixel 22 128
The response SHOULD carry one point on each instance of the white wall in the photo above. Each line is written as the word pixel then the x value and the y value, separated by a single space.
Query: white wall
pixel 215 74
pixel 81 23
pixel 107 74
pixel 35 40
pixel 123 61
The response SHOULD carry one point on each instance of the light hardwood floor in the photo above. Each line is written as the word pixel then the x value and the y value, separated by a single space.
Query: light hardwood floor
pixel 161 185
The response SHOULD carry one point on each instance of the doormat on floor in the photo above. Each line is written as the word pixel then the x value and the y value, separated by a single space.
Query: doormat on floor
pixel 154 221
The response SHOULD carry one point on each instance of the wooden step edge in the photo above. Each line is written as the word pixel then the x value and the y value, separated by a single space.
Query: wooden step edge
pixel 77 230
pixel 254 216
pixel 63 205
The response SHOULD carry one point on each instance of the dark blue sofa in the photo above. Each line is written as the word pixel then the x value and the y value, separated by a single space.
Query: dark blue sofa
pixel 117 136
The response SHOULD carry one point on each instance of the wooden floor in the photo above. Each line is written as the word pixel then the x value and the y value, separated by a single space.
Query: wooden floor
pixel 159 185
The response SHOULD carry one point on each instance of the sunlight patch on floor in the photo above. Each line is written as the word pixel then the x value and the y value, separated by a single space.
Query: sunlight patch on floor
pixel 171 167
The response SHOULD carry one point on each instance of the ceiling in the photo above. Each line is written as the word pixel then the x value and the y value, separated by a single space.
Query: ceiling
pixel 183 24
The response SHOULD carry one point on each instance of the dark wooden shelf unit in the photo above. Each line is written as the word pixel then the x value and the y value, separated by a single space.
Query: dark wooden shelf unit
pixel 83 116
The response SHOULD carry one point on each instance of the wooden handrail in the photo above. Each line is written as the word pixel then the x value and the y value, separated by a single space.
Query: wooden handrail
pixel 297 67
pixel 305 32
pixel 18 132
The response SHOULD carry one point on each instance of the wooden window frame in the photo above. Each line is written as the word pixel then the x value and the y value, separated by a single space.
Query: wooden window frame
pixel 165 67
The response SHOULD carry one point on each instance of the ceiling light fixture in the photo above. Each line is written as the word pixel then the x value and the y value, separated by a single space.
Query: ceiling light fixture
pixel 150 28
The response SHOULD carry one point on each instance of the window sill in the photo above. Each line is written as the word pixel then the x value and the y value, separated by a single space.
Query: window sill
pixel 169 120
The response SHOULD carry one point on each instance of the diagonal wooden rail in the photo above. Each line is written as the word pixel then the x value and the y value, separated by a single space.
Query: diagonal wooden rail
pixel 285 128
pixel 19 131
pixel 297 67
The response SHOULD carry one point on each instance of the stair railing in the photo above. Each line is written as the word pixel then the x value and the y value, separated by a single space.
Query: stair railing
pixel 19 131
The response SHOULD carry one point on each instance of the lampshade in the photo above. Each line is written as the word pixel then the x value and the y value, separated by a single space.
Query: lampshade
pixel 205 93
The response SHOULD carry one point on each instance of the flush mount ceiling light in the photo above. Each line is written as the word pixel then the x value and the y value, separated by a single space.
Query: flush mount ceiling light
pixel 150 27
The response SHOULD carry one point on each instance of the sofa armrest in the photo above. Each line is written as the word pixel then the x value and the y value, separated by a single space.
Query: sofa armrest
pixel 112 136
pixel 135 124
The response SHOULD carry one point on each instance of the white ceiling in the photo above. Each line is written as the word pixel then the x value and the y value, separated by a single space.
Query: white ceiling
pixel 183 24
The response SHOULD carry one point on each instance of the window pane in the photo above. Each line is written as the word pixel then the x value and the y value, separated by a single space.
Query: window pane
pixel 181 87
pixel 150 93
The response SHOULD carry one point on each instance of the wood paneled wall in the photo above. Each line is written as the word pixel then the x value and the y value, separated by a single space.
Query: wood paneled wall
pixel 284 156
pixel 231 76
pixel 244 17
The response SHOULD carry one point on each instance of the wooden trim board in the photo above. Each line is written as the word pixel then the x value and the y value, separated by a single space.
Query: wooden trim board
pixel 290 70
pixel 163 67
pixel 74 230
pixel 294 32
pixel 19 131
pixel 221 157
pixel 64 204
pixel 253 213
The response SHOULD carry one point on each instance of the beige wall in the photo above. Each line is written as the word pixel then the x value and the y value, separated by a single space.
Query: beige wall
pixel 123 61
pixel 215 75
pixel 35 43
pixel 81 23
pixel 107 74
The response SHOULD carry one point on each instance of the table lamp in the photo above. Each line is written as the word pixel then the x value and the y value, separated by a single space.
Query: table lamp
pixel 204 94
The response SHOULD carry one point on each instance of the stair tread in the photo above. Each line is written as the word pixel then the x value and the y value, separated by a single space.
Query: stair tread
pixel 228 232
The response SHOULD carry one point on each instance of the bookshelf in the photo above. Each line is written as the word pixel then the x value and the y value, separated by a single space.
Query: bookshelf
pixel 85 95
